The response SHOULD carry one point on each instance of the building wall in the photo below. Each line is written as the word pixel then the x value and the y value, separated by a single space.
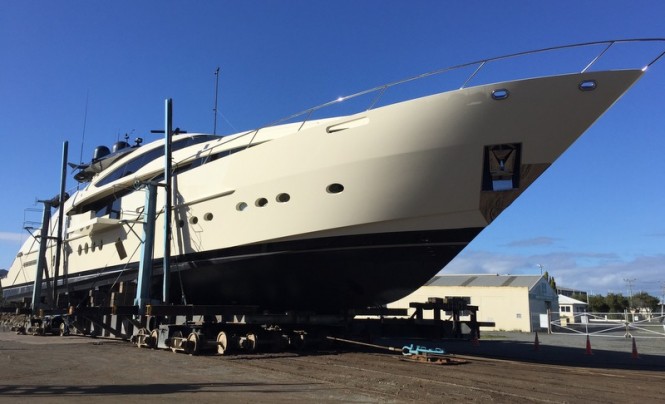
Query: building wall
pixel 541 299
pixel 572 312
pixel 507 307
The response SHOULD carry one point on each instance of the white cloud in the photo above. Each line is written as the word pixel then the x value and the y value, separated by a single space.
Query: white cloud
pixel 9 246
pixel 599 273
pixel 17 237
pixel 536 241
pixel 483 262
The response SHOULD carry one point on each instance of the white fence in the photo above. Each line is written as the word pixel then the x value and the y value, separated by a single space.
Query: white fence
pixel 623 325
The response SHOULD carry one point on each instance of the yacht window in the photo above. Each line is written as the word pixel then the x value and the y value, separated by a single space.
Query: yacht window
pixel 587 85
pixel 109 205
pixel 283 197
pixel 501 94
pixel 335 188
pixel 207 159
pixel 137 163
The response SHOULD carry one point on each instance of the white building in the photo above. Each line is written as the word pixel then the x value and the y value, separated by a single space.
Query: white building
pixel 571 309
pixel 512 302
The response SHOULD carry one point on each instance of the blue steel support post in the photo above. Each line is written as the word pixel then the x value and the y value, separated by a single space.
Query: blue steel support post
pixel 61 217
pixel 41 258
pixel 167 199
pixel 147 247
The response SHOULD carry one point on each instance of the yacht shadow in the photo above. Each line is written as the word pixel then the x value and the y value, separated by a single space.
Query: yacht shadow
pixel 543 353
pixel 151 389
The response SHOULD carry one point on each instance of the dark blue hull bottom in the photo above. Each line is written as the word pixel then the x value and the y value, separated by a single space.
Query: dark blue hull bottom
pixel 326 275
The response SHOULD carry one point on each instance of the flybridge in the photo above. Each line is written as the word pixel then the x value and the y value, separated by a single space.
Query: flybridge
pixel 102 158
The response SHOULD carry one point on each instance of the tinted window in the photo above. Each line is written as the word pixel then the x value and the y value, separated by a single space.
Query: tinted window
pixel 137 163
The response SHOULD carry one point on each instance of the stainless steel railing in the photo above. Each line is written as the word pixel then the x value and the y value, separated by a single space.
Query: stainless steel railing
pixel 479 65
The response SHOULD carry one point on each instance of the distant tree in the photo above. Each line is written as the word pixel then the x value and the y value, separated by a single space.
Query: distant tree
pixel 582 297
pixel 616 302
pixel 644 300
pixel 552 283
pixel 598 304
pixel 550 280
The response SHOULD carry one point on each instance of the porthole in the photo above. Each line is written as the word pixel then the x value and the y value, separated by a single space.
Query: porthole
pixel 80 250
pixel 241 206
pixel 283 198
pixel 94 246
pixel 207 217
pixel 335 188
pixel 193 220
pixel 587 85
pixel 85 248
pixel 500 94
pixel 261 202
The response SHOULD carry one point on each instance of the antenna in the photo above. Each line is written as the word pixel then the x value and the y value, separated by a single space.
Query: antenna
pixel 85 119
pixel 214 128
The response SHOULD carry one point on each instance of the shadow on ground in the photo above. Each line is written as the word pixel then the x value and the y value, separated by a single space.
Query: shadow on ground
pixel 152 389
pixel 609 355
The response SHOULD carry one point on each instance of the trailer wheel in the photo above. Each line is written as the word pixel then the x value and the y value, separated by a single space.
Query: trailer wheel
pixel 142 338
pixel 63 329
pixel 154 338
pixel 172 344
pixel 251 342
pixel 222 343
pixel 193 344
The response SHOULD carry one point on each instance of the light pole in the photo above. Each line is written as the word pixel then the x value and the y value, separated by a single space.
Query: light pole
pixel 630 291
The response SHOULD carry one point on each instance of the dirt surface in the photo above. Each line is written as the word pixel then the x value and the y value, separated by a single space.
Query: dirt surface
pixel 502 368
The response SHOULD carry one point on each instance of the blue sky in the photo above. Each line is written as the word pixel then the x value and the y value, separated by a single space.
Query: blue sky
pixel 593 220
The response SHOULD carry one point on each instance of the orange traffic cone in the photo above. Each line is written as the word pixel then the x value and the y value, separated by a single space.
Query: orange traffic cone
pixel 588 346
pixel 635 354
pixel 536 343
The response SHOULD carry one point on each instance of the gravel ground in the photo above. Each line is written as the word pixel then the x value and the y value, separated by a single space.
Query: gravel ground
pixel 502 367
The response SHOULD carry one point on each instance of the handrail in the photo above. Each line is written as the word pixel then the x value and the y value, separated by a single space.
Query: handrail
pixel 382 89
pixel 598 57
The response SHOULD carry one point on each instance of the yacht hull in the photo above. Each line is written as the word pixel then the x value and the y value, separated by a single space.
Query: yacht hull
pixel 325 274
pixel 353 212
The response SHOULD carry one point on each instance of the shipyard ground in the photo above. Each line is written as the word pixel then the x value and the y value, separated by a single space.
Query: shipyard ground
pixel 502 367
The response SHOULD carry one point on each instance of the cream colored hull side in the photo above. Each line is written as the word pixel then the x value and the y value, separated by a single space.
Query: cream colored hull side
pixel 416 165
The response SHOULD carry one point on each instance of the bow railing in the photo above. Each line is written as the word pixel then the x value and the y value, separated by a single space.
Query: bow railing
pixel 589 59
